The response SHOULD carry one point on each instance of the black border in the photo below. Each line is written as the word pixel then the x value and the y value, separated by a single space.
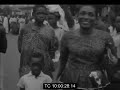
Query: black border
pixel 60 2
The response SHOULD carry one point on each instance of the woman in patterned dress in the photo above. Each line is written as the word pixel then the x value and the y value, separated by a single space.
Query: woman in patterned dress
pixel 82 52
pixel 39 37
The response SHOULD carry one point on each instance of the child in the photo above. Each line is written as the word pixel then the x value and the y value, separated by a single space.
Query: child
pixel 34 79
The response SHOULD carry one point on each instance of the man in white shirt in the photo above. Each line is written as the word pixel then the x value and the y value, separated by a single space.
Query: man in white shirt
pixel 21 22
pixel 34 79
pixel 5 24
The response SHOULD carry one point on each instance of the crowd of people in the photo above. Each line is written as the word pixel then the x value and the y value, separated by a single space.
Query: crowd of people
pixel 67 44
pixel 14 23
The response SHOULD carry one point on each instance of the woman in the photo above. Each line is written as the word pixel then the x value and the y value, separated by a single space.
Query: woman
pixel 39 37
pixel 57 8
pixel 82 52
pixel 53 18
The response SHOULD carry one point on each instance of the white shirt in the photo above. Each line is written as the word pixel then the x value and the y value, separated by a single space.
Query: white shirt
pixel 5 22
pixel 13 20
pixel 29 82
pixel 22 20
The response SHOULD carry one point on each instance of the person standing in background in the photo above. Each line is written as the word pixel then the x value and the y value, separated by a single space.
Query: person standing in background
pixel 115 33
pixel 21 21
pixel 14 25
pixel 62 22
pixel 5 24
pixel 53 18
pixel 3 48
pixel 37 36
pixel 9 22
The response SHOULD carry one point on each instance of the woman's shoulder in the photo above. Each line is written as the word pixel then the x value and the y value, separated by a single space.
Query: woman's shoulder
pixel 26 28
pixel 69 34
pixel 102 33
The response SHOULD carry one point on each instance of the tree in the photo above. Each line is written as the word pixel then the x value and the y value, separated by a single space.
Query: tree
pixel 7 10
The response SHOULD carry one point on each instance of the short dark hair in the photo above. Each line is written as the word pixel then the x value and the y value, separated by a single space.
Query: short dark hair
pixel 38 6
pixel 94 6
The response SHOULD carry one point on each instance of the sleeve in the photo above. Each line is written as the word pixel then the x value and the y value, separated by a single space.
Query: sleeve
pixel 48 80
pixel 111 49
pixel 3 40
pixel 21 83
pixel 64 52
pixel 20 38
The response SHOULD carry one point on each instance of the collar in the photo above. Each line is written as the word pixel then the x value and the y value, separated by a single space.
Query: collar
pixel 41 74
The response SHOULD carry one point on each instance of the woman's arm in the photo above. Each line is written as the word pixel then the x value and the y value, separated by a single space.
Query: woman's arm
pixel 64 53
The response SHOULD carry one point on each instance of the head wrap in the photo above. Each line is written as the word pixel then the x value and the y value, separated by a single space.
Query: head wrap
pixel 62 22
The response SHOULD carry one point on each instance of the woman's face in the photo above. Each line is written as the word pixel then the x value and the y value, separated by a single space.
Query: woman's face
pixel 86 17
pixel 40 14
pixel 52 19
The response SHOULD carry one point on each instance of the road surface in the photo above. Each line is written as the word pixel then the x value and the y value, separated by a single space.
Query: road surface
pixel 10 65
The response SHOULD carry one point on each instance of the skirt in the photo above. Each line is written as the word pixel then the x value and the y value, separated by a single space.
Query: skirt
pixel 80 75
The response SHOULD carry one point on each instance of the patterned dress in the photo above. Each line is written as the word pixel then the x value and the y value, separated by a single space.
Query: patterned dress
pixel 33 38
pixel 83 55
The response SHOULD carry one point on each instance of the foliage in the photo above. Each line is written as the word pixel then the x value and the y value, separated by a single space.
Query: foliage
pixel 7 10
